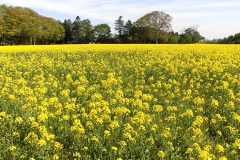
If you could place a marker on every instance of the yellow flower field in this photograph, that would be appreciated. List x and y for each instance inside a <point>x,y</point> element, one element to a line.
<point>120,102</point>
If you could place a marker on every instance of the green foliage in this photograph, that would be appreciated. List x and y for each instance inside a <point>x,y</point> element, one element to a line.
<point>153,27</point>
<point>156,24</point>
<point>67,24</point>
<point>236,38</point>
<point>119,26</point>
<point>233,39</point>
<point>186,38</point>
<point>80,31</point>
<point>76,29</point>
<point>86,31</point>
<point>102,33</point>
<point>191,35</point>
<point>173,38</point>
<point>24,26</point>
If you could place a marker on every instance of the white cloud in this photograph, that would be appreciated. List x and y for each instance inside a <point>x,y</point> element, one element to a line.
<point>220,4</point>
<point>185,12</point>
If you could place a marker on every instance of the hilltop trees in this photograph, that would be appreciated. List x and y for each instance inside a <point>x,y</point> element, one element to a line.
<point>24,26</point>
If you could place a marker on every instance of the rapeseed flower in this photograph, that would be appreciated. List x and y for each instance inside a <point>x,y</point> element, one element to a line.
<point>161,154</point>
<point>119,101</point>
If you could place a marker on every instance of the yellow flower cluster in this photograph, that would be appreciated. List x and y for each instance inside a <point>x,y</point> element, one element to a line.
<point>120,102</point>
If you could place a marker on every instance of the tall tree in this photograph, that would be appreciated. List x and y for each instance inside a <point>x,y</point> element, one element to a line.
<point>119,27</point>
<point>86,31</point>
<point>156,23</point>
<point>102,33</point>
<point>128,27</point>
<point>68,26</point>
<point>76,27</point>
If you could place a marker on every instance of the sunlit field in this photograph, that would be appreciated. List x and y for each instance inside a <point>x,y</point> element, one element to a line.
<point>120,102</point>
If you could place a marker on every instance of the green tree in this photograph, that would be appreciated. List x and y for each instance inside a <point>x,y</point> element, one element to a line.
<point>24,26</point>
<point>2,24</point>
<point>173,38</point>
<point>155,23</point>
<point>119,27</point>
<point>86,31</point>
<point>68,26</point>
<point>102,33</point>
<point>236,38</point>
<point>128,27</point>
<point>56,31</point>
<point>76,27</point>
<point>140,34</point>
<point>186,38</point>
<point>191,35</point>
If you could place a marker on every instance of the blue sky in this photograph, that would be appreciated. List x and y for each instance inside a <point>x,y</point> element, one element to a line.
<point>214,18</point>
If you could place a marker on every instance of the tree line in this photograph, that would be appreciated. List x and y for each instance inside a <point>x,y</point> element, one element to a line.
<point>154,27</point>
<point>24,26</point>
<point>232,39</point>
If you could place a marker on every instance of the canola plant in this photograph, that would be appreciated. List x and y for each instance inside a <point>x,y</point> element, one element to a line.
<point>120,102</point>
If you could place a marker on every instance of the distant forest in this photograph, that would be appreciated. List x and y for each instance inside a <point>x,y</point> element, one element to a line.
<point>24,26</point>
